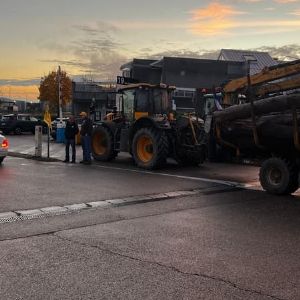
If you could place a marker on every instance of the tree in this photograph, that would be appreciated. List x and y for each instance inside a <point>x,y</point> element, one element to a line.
<point>49,90</point>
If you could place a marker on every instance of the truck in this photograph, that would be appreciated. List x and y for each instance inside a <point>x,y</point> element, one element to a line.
<point>260,121</point>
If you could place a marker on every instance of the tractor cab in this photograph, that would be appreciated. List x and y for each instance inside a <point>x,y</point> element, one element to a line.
<point>145,100</point>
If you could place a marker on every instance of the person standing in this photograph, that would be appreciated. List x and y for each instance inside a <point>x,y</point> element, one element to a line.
<point>86,134</point>
<point>71,131</point>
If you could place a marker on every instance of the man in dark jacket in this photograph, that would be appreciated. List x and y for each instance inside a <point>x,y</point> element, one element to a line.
<point>70,133</point>
<point>86,134</point>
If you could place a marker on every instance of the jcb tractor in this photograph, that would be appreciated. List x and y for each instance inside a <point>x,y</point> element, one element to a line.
<point>145,127</point>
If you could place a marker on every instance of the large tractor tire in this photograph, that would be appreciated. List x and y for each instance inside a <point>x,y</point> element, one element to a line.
<point>103,144</point>
<point>150,148</point>
<point>279,176</point>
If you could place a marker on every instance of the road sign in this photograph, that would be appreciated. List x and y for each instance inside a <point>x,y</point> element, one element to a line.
<point>125,80</point>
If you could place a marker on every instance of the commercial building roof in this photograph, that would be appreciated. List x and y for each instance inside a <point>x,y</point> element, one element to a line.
<point>259,60</point>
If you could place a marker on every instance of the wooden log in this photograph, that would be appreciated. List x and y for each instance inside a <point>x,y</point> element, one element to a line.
<point>261,107</point>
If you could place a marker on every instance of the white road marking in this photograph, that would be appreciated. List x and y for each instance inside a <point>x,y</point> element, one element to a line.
<point>202,179</point>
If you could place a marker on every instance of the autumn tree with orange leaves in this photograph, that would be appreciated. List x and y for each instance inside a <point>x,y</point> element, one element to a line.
<point>49,90</point>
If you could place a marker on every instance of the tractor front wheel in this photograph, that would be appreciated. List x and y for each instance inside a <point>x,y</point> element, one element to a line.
<point>150,148</point>
<point>102,144</point>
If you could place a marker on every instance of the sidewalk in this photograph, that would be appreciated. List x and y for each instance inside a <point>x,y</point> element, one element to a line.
<point>25,144</point>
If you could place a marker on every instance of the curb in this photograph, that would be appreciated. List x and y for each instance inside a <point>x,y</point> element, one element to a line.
<point>29,214</point>
<point>32,157</point>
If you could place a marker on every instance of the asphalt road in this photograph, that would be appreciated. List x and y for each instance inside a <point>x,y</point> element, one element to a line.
<point>220,243</point>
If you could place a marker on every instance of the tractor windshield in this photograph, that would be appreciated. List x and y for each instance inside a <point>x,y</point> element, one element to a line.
<point>161,101</point>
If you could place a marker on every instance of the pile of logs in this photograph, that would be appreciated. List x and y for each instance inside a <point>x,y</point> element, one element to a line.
<point>273,121</point>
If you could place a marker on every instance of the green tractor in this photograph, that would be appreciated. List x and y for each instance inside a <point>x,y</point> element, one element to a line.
<point>145,127</point>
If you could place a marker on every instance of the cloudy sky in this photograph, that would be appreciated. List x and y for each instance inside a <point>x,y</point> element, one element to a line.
<point>94,37</point>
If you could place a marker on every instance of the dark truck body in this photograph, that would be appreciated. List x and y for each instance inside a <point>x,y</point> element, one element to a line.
<point>267,130</point>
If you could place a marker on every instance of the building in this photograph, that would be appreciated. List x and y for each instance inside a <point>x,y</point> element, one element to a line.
<point>187,74</point>
<point>103,95</point>
<point>7,105</point>
<point>258,60</point>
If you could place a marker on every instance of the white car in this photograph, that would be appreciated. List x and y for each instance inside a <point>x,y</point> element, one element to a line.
<point>3,147</point>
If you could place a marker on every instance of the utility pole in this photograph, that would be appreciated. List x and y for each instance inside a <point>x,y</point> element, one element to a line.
<point>59,94</point>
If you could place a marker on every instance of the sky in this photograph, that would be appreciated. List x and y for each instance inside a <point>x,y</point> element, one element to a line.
<point>93,38</point>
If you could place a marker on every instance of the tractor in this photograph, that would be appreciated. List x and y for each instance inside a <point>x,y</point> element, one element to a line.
<point>145,126</point>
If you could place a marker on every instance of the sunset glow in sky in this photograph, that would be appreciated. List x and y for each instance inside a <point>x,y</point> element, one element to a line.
<point>94,37</point>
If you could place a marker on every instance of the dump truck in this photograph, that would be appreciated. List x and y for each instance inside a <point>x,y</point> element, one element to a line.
<point>146,127</point>
<point>260,121</point>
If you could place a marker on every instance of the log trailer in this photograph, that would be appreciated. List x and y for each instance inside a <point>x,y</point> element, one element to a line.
<point>262,122</point>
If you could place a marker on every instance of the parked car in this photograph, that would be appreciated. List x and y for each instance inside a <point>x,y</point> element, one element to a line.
<point>18,123</point>
<point>3,148</point>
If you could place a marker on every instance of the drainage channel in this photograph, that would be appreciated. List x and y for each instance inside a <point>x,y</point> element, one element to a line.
<point>23,215</point>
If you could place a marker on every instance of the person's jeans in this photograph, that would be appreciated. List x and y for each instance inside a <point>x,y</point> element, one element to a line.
<point>70,142</point>
<point>86,147</point>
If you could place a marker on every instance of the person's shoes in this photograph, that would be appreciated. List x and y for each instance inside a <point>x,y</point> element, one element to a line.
<point>65,161</point>
<point>82,161</point>
<point>73,162</point>
<point>87,162</point>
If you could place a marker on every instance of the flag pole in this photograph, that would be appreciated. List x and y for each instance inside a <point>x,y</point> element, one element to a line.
<point>48,146</point>
<point>47,120</point>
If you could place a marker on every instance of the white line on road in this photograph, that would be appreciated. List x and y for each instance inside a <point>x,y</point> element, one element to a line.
<point>224,182</point>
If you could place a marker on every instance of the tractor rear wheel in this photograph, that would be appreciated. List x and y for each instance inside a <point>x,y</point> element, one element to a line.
<point>150,148</point>
<point>279,176</point>
<point>103,144</point>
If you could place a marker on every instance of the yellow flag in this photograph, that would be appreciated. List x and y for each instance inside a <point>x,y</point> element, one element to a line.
<point>47,118</point>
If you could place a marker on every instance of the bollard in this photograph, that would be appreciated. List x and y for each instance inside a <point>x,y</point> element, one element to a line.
<point>38,141</point>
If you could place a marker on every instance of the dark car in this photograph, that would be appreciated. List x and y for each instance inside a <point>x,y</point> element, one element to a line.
<point>18,123</point>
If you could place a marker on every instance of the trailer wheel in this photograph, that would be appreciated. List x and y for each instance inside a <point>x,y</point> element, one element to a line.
<point>102,144</point>
<point>149,148</point>
<point>279,176</point>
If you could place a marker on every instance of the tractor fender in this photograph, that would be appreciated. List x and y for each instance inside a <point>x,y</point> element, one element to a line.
<point>144,122</point>
<point>109,125</point>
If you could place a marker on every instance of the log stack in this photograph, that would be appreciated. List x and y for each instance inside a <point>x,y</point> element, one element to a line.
<point>273,121</point>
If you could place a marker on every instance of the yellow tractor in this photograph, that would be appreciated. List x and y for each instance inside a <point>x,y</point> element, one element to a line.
<point>145,127</point>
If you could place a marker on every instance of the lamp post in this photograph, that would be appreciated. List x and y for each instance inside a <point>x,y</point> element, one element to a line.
<point>59,94</point>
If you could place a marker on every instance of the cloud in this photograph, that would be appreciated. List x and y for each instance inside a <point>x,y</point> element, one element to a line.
<point>216,18</point>
<point>295,12</point>
<point>201,54</point>
<point>286,1</point>
<point>286,52</point>
<point>20,82</point>
<point>91,49</point>
<point>99,27</point>
<point>28,92</point>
